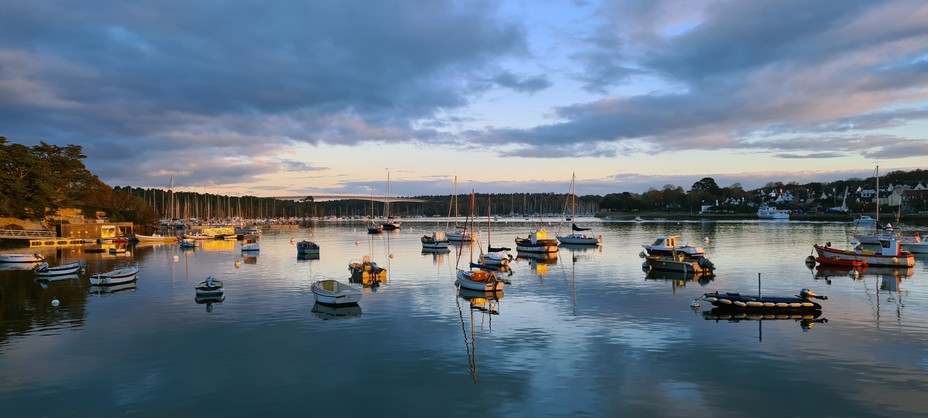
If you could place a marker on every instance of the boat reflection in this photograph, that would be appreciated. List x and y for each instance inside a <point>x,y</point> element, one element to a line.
<point>327,312</point>
<point>575,248</point>
<point>250,258</point>
<point>437,254</point>
<point>829,273</point>
<point>539,262</point>
<point>680,278</point>
<point>129,287</point>
<point>209,300</point>
<point>307,256</point>
<point>806,320</point>
<point>483,305</point>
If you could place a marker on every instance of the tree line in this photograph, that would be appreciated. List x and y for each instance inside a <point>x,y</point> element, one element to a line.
<point>36,181</point>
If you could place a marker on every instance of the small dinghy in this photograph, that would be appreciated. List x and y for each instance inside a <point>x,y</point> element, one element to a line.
<point>45,270</point>
<point>210,287</point>
<point>119,276</point>
<point>333,292</point>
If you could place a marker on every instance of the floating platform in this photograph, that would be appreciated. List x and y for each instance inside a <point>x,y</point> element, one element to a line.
<point>55,242</point>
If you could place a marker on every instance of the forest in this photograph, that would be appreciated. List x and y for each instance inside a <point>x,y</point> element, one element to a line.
<point>36,181</point>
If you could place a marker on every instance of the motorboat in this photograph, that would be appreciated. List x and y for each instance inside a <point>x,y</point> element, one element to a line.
<point>367,272</point>
<point>670,245</point>
<point>920,247</point>
<point>680,263</point>
<point>44,270</point>
<point>537,242</point>
<point>333,292</point>
<point>121,275</point>
<point>757,303</point>
<point>21,258</point>
<point>436,241</point>
<point>770,212</point>
<point>890,253</point>
<point>187,243</point>
<point>307,247</point>
<point>209,287</point>
<point>250,243</point>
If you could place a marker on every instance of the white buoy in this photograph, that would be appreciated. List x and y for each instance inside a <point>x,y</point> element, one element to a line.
<point>238,263</point>
<point>128,252</point>
<point>694,304</point>
<point>176,258</point>
<point>55,301</point>
<point>706,240</point>
<point>391,255</point>
<point>356,242</point>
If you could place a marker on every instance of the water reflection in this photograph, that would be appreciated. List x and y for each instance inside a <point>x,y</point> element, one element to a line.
<point>482,306</point>
<point>538,262</point>
<point>307,256</point>
<point>806,320</point>
<point>209,300</point>
<point>327,312</point>
<point>678,278</point>
<point>129,287</point>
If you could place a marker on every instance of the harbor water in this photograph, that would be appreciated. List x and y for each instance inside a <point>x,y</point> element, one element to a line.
<point>585,333</point>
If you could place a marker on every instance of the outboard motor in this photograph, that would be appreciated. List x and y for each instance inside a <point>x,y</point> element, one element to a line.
<point>706,264</point>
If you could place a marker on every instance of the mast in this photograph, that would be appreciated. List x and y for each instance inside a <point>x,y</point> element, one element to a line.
<point>877,196</point>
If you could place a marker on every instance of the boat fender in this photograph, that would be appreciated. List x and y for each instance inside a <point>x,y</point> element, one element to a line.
<point>807,304</point>
<point>810,260</point>
<point>782,305</point>
<point>739,303</point>
<point>725,301</point>
<point>710,299</point>
<point>895,260</point>
<point>769,304</point>
<point>755,304</point>
<point>795,305</point>
<point>642,254</point>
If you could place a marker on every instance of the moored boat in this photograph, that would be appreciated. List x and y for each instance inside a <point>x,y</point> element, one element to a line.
<point>680,263</point>
<point>156,237</point>
<point>670,245</point>
<point>307,247</point>
<point>367,272</point>
<point>758,303</point>
<point>333,292</point>
<point>483,278</point>
<point>770,212</point>
<point>122,275</point>
<point>889,253</point>
<point>210,287</point>
<point>537,242</point>
<point>436,241</point>
<point>250,243</point>
<point>21,258</point>
<point>44,270</point>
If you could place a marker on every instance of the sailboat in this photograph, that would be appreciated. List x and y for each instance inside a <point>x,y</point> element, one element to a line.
<point>579,236</point>
<point>391,223</point>
<point>495,256</point>
<point>883,232</point>
<point>459,233</point>
<point>372,227</point>
<point>478,276</point>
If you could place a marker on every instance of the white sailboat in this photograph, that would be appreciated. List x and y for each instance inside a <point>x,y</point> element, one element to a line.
<point>579,235</point>
<point>477,277</point>
<point>391,223</point>
<point>459,233</point>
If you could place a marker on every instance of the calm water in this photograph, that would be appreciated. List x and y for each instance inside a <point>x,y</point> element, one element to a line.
<point>587,334</point>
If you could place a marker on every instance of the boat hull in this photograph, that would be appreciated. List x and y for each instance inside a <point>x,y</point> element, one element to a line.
<point>62,270</point>
<point>580,239</point>
<point>334,293</point>
<point>479,280</point>
<point>120,276</point>
<point>21,258</point>
<point>685,265</point>
<point>869,257</point>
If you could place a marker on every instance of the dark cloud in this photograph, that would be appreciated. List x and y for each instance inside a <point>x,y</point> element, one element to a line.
<point>527,84</point>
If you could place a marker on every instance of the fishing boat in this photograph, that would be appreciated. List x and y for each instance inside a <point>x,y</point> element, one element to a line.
<point>802,302</point>
<point>333,292</point>
<point>44,270</point>
<point>890,253</point>
<point>307,247</point>
<point>21,258</point>
<point>209,287</point>
<point>537,242</point>
<point>669,245</point>
<point>918,247</point>
<point>579,235</point>
<point>122,275</point>
<point>436,241</point>
<point>477,276</point>
<point>367,272</point>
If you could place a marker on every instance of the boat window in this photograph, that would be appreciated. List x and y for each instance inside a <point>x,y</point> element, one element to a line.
<point>658,242</point>
<point>884,243</point>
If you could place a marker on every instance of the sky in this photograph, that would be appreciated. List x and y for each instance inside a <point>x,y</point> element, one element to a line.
<point>334,96</point>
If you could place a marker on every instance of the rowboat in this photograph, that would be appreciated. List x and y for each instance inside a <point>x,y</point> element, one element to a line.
<point>209,287</point>
<point>45,270</point>
<point>483,279</point>
<point>122,275</point>
<point>333,292</point>
<point>307,247</point>
<point>21,258</point>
